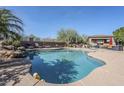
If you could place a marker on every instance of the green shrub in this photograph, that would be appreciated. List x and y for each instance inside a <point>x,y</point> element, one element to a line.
<point>6,43</point>
<point>16,43</point>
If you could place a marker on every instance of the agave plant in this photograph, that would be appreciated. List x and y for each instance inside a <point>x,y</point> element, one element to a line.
<point>10,25</point>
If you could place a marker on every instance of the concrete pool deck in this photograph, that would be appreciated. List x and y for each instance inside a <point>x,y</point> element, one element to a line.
<point>111,74</point>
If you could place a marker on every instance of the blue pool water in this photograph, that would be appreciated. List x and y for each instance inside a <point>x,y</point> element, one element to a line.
<point>62,66</point>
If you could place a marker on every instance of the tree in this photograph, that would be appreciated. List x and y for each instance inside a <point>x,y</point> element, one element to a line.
<point>34,37</point>
<point>26,38</point>
<point>69,36</point>
<point>72,36</point>
<point>62,35</point>
<point>119,35</point>
<point>10,25</point>
<point>84,39</point>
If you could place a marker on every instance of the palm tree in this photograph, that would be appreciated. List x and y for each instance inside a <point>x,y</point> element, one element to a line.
<point>10,25</point>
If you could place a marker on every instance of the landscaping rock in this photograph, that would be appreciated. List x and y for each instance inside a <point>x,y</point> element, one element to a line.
<point>10,47</point>
<point>21,48</point>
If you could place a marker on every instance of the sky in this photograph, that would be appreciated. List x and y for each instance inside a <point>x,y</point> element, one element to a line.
<point>46,21</point>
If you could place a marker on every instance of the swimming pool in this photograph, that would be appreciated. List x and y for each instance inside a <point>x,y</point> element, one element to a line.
<point>62,66</point>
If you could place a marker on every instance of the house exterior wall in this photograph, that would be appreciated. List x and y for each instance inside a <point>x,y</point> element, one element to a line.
<point>103,41</point>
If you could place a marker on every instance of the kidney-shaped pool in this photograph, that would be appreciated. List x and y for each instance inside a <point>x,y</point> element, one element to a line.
<point>62,66</point>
